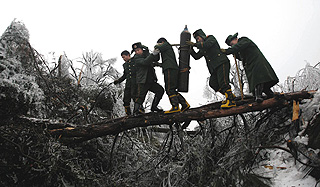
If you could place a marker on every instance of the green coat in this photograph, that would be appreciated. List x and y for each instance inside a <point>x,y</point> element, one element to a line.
<point>257,68</point>
<point>210,49</point>
<point>145,69</point>
<point>170,68</point>
<point>168,57</point>
<point>129,74</point>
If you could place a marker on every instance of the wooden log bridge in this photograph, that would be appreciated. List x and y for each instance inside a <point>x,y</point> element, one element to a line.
<point>115,126</point>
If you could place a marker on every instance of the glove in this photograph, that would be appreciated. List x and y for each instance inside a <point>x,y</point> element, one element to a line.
<point>190,43</point>
<point>157,45</point>
<point>155,52</point>
<point>116,82</point>
<point>223,50</point>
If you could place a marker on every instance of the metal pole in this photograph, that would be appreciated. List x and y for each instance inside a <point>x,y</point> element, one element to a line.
<point>241,90</point>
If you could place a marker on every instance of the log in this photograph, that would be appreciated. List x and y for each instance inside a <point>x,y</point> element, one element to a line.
<point>115,126</point>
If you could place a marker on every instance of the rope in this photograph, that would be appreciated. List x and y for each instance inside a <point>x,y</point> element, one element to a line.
<point>184,70</point>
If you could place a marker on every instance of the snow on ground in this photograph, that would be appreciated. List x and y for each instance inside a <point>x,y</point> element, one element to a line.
<point>281,166</point>
<point>283,171</point>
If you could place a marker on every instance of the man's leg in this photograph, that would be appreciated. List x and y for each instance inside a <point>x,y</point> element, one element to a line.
<point>267,90</point>
<point>258,93</point>
<point>127,100</point>
<point>224,84</point>
<point>142,90</point>
<point>171,86</point>
<point>158,90</point>
<point>171,89</point>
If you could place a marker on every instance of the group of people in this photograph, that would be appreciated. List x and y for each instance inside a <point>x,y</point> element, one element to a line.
<point>140,75</point>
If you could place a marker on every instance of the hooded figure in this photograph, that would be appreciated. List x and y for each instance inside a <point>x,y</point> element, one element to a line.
<point>260,74</point>
<point>218,65</point>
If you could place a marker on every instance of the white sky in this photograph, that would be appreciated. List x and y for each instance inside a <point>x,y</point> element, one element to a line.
<point>286,31</point>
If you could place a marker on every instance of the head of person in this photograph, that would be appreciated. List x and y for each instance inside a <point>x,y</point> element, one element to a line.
<point>232,39</point>
<point>162,40</point>
<point>125,55</point>
<point>199,35</point>
<point>137,48</point>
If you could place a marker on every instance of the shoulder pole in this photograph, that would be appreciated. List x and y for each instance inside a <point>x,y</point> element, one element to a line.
<point>240,83</point>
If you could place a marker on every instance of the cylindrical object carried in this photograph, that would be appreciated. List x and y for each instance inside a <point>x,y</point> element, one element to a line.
<point>184,61</point>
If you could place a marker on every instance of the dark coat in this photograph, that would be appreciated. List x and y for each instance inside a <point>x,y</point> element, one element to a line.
<point>257,68</point>
<point>129,74</point>
<point>168,57</point>
<point>145,69</point>
<point>210,49</point>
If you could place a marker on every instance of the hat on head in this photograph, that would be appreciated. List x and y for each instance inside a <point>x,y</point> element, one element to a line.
<point>136,46</point>
<point>200,33</point>
<point>162,39</point>
<point>230,38</point>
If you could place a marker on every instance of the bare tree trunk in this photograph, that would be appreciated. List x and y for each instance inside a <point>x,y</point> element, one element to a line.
<point>115,126</point>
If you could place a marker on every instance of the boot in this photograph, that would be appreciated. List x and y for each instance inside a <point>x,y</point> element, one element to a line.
<point>141,109</point>
<point>175,105</point>
<point>225,101</point>
<point>184,104</point>
<point>136,109</point>
<point>229,101</point>
<point>258,93</point>
<point>154,106</point>
<point>127,110</point>
<point>268,92</point>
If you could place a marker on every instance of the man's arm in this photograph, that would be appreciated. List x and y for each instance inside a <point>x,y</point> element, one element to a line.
<point>121,79</point>
<point>210,41</point>
<point>237,47</point>
<point>146,61</point>
<point>195,55</point>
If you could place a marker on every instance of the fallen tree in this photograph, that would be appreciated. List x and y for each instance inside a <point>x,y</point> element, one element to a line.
<point>115,126</point>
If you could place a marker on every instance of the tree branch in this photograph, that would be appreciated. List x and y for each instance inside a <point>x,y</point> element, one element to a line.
<point>115,126</point>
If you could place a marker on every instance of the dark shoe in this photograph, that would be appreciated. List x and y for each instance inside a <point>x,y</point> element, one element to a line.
<point>137,109</point>
<point>184,104</point>
<point>156,109</point>
<point>258,93</point>
<point>175,105</point>
<point>127,110</point>
<point>268,92</point>
<point>141,109</point>
<point>154,105</point>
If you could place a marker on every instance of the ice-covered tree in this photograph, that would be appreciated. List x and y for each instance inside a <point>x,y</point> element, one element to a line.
<point>96,70</point>
<point>305,79</point>
<point>19,89</point>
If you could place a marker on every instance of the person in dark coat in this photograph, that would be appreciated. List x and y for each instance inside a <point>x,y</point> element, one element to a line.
<point>218,65</point>
<point>146,78</point>
<point>129,74</point>
<point>260,74</point>
<point>170,71</point>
